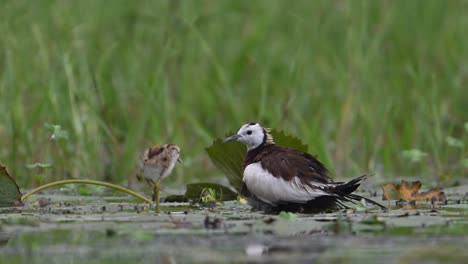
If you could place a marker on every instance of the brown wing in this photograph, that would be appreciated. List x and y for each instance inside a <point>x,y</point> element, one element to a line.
<point>288,163</point>
<point>154,151</point>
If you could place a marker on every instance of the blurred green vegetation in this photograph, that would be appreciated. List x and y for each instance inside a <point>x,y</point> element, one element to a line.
<point>359,81</point>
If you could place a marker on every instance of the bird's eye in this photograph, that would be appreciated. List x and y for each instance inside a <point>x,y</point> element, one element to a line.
<point>249,132</point>
<point>164,159</point>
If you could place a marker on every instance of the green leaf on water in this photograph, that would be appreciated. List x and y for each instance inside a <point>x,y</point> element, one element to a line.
<point>283,139</point>
<point>229,157</point>
<point>10,194</point>
<point>287,215</point>
<point>196,190</point>
<point>176,198</point>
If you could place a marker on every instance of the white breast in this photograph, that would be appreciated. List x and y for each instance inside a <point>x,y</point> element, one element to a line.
<point>271,190</point>
<point>170,168</point>
<point>152,172</point>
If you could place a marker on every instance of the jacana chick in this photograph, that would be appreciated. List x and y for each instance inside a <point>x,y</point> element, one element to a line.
<point>157,164</point>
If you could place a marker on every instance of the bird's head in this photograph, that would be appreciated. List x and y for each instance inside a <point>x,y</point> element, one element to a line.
<point>174,151</point>
<point>252,135</point>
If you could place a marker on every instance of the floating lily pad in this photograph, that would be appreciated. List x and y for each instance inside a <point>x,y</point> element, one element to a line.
<point>284,139</point>
<point>10,194</point>
<point>228,158</point>
<point>175,198</point>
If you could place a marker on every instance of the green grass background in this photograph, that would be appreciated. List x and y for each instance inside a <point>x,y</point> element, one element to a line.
<point>358,81</point>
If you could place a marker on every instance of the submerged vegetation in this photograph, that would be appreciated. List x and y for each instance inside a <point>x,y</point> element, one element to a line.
<point>369,86</point>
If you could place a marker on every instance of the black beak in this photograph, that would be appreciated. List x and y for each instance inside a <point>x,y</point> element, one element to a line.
<point>231,138</point>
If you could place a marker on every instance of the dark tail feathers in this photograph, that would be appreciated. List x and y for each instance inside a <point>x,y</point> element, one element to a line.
<point>345,189</point>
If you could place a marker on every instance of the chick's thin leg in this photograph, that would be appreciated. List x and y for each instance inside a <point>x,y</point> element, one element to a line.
<point>156,189</point>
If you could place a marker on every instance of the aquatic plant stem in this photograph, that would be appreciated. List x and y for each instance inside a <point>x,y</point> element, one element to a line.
<point>92,182</point>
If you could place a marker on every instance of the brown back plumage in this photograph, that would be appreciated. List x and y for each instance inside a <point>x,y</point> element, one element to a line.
<point>287,163</point>
<point>152,152</point>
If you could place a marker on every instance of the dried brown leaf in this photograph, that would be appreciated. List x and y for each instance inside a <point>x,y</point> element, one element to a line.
<point>410,192</point>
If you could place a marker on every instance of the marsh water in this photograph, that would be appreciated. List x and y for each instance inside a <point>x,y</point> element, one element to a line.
<point>57,228</point>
